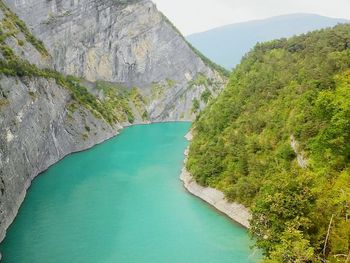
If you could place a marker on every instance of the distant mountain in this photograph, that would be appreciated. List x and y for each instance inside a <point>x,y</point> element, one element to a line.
<point>226,45</point>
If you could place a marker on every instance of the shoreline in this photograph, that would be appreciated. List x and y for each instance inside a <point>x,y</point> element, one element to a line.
<point>214,197</point>
<point>22,195</point>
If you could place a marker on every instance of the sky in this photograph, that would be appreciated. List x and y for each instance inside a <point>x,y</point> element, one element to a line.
<point>192,16</point>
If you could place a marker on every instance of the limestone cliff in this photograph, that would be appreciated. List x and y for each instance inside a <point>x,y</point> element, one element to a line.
<point>130,66</point>
<point>40,121</point>
<point>125,42</point>
<point>36,130</point>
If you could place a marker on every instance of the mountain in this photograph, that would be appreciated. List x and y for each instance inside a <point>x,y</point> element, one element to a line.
<point>126,42</point>
<point>277,140</point>
<point>73,73</point>
<point>226,45</point>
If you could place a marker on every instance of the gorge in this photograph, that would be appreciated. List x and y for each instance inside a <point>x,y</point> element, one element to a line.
<point>269,139</point>
<point>79,73</point>
<point>122,201</point>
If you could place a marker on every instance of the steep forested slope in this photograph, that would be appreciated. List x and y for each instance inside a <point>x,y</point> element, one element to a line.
<point>278,140</point>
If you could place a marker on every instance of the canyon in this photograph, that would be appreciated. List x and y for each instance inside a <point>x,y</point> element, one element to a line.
<point>74,73</point>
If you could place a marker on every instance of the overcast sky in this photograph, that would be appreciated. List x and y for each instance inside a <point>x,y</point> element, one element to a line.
<point>192,16</point>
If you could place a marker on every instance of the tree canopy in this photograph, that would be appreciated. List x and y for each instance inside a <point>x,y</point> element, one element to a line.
<point>287,102</point>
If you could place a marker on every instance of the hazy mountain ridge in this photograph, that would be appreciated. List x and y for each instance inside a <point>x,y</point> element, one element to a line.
<point>226,45</point>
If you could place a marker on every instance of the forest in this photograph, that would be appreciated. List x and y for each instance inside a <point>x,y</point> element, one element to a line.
<point>277,140</point>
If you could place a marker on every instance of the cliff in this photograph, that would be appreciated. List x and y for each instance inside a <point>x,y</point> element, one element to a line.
<point>36,130</point>
<point>125,42</point>
<point>130,65</point>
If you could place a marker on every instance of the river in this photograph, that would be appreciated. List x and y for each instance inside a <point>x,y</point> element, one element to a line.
<point>122,201</point>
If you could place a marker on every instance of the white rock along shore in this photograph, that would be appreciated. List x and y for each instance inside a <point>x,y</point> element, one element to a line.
<point>214,197</point>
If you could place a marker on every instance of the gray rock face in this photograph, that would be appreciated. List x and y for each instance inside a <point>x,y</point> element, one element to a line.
<point>126,42</point>
<point>37,130</point>
<point>123,42</point>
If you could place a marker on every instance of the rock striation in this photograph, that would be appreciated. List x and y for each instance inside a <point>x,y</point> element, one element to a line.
<point>35,132</point>
<point>126,42</point>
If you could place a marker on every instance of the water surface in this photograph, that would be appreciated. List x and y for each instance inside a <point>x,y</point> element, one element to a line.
<point>122,201</point>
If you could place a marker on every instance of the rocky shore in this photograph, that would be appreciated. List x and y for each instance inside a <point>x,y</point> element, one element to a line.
<point>214,197</point>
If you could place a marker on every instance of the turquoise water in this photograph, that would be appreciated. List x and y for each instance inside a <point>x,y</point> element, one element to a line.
<point>122,201</point>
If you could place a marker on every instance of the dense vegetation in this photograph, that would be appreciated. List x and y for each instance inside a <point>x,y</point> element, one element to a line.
<point>118,100</point>
<point>286,92</point>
